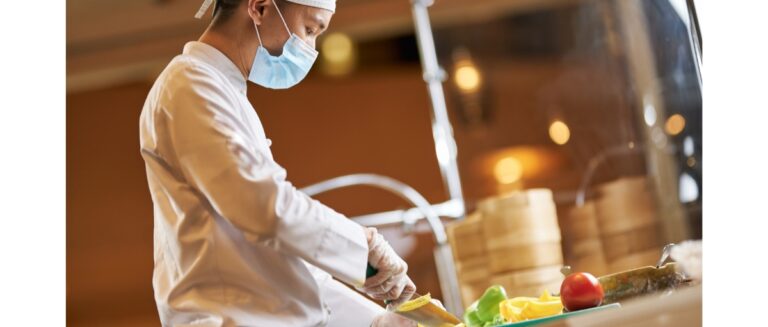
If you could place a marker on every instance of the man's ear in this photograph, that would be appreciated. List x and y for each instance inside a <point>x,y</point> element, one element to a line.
<point>256,9</point>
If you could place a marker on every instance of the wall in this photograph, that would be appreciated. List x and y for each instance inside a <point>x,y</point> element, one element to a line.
<point>374,122</point>
<point>376,125</point>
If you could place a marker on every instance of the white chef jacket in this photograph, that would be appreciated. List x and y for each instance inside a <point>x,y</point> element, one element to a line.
<point>235,244</point>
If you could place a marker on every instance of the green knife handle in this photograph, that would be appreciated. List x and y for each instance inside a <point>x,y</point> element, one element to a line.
<point>370,272</point>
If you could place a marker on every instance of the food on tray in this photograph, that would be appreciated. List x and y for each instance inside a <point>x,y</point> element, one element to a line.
<point>415,303</point>
<point>485,311</point>
<point>641,281</point>
<point>494,308</point>
<point>524,308</point>
<point>581,291</point>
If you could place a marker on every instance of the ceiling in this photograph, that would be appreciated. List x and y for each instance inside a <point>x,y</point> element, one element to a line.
<point>111,42</point>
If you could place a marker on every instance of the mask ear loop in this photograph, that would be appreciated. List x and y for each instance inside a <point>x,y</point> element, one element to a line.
<point>274,2</point>
<point>258,36</point>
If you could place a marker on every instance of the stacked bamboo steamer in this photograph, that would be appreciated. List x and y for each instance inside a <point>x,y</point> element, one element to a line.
<point>470,257</point>
<point>512,240</point>
<point>629,226</point>
<point>583,247</point>
<point>522,240</point>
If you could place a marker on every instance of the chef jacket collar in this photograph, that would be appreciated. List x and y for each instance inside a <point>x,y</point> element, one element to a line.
<point>218,60</point>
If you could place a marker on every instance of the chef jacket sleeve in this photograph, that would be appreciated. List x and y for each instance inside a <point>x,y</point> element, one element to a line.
<point>217,157</point>
<point>348,308</point>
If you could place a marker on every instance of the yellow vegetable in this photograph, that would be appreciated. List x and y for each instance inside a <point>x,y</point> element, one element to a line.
<point>524,308</point>
<point>414,304</point>
<point>545,296</point>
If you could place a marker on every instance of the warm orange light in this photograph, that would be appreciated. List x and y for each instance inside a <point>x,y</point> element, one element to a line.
<point>508,170</point>
<point>675,124</point>
<point>559,132</point>
<point>338,52</point>
<point>467,77</point>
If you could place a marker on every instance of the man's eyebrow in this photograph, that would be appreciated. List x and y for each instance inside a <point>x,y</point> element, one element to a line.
<point>319,21</point>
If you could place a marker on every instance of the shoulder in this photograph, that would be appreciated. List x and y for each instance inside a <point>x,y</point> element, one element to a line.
<point>185,71</point>
<point>187,81</point>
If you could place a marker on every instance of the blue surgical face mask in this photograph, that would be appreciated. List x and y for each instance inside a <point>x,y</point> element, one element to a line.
<point>286,70</point>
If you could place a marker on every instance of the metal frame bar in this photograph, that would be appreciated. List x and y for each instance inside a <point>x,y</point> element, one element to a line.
<point>446,152</point>
<point>442,131</point>
<point>446,268</point>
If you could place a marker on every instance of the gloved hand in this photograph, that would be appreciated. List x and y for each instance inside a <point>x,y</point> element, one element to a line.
<point>391,282</point>
<point>391,319</point>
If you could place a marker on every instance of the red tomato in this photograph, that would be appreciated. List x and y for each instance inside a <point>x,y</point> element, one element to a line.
<point>581,291</point>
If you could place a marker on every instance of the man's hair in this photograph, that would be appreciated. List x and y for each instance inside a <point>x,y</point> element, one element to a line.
<point>224,9</point>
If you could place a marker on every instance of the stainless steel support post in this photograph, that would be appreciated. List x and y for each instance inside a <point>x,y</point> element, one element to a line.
<point>445,144</point>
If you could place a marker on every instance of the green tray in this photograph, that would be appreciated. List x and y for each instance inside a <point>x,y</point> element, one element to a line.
<point>534,322</point>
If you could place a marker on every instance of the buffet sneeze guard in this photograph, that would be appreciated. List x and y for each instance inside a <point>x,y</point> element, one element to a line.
<point>445,149</point>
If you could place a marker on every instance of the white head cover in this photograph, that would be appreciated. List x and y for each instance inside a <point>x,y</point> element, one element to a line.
<point>323,4</point>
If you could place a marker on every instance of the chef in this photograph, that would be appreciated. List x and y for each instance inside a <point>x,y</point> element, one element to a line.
<point>235,244</point>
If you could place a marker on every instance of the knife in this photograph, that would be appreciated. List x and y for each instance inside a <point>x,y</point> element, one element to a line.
<point>428,314</point>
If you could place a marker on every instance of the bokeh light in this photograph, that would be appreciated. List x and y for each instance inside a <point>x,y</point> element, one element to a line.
<point>338,53</point>
<point>508,170</point>
<point>675,124</point>
<point>559,132</point>
<point>467,77</point>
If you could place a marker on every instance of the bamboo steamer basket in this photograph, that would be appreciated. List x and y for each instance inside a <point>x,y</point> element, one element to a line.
<point>645,258</point>
<point>524,257</point>
<point>515,200</point>
<point>529,277</point>
<point>586,247</point>
<point>468,247</point>
<point>466,238</point>
<point>583,247</point>
<point>520,238</point>
<point>473,270</point>
<point>624,205</point>
<point>622,185</point>
<point>521,231</point>
<point>618,214</point>
<point>526,225</point>
<point>470,292</point>
<point>594,264</point>
<point>619,245</point>
<point>628,222</point>
<point>587,255</point>
<point>530,282</point>
<point>518,212</point>
<point>580,222</point>
<point>535,290</point>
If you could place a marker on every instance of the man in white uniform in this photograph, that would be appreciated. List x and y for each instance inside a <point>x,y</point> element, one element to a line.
<point>235,243</point>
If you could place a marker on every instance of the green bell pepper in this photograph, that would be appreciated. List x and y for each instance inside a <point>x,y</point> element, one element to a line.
<point>498,320</point>
<point>470,316</point>
<point>485,311</point>
<point>488,304</point>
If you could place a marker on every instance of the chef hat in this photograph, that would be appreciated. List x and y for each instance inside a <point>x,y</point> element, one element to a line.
<point>323,4</point>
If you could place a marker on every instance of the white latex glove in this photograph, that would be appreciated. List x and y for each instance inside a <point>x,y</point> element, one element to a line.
<point>391,282</point>
<point>391,319</point>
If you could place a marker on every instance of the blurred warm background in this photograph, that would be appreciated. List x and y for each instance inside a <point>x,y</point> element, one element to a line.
<point>599,95</point>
